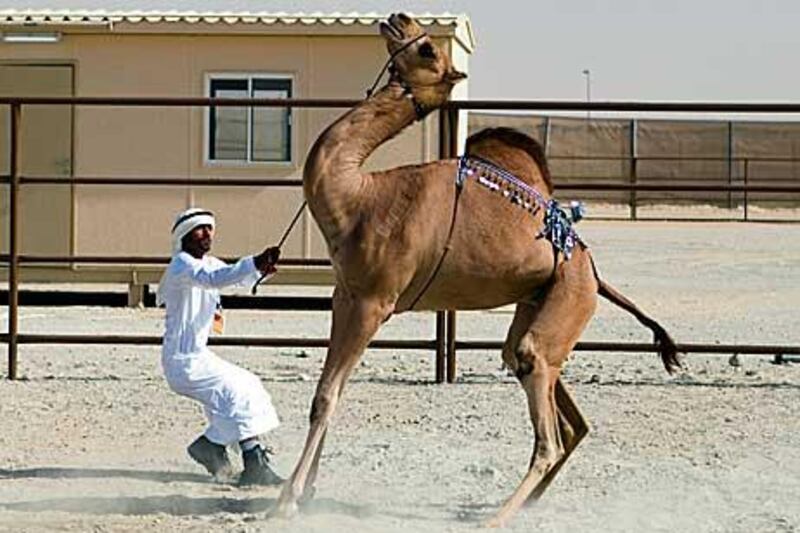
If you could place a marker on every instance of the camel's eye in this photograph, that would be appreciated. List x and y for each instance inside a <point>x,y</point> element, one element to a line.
<point>426,50</point>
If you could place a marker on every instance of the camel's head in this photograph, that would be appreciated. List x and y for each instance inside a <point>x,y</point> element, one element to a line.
<point>418,63</point>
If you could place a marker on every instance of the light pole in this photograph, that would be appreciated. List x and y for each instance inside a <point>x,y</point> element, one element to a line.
<point>588,74</point>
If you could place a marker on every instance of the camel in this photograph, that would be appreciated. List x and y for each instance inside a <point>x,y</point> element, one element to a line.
<point>411,238</point>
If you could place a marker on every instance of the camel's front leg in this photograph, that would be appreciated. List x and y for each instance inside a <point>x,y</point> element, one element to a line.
<point>355,321</point>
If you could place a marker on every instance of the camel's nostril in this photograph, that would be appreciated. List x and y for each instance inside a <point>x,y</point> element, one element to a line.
<point>426,51</point>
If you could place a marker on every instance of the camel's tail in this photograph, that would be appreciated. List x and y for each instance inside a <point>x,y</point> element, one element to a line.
<point>666,346</point>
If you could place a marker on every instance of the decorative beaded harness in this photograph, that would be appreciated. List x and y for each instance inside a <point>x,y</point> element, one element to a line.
<point>558,224</point>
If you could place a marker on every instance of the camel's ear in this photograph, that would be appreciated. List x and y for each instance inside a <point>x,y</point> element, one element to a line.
<point>454,76</point>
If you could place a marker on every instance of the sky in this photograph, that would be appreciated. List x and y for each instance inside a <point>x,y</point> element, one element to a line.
<point>700,50</point>
<point>693,50</point>
<point>635,50</point>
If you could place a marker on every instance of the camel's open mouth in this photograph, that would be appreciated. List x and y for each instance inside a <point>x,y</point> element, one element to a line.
<point>390,31</point>
<point>395,28</point>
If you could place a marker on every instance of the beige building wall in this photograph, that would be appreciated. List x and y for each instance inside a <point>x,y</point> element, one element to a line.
<point>47,146</point>
<point>170,142</point>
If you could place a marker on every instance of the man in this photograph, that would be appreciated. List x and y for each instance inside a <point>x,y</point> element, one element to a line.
<point>235,402</point>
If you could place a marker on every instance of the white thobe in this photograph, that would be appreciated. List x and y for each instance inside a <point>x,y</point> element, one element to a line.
<point>234,400</point>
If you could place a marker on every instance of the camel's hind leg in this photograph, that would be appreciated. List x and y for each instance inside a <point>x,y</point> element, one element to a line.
<point>556,323</point>
<point>572,426</point>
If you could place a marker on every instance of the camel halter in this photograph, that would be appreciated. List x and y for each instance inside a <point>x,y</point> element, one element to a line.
<point>418,109</point>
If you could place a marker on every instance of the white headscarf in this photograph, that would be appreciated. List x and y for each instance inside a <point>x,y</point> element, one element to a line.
<point>186,222</point>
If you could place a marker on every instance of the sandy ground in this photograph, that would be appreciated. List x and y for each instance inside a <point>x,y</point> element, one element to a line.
<point>756,212</point>
<point>93,440</point>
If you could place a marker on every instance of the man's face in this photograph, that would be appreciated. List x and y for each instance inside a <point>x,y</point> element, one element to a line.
<point>198,241</point>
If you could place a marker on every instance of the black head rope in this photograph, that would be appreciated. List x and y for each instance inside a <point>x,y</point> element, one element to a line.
<point>280,243</point>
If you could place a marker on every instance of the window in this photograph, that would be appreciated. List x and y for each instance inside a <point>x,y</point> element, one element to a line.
<point>250,134</point>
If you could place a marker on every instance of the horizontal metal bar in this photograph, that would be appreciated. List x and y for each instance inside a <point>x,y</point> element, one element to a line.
<point>157,101</point>
<point>750,349</point>
<point>34,298</point>
<point>599,157</point>
<point>629,157</point>
<point>294,342</point>
<point>194,182</point>
<point>143,260</point>
<point>272,342</point>
<point>575,105</point>
<point>583,186</point>
<point>519,105</point>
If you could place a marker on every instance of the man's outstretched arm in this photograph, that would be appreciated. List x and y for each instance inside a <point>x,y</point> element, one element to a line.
<point>223,276</point>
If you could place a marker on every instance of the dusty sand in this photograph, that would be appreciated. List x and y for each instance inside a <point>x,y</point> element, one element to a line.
<point>93,440</point>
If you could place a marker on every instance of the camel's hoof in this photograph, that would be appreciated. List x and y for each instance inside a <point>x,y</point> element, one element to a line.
<point>494,522</point>
<point>284,510</point>
<point>307,496</point>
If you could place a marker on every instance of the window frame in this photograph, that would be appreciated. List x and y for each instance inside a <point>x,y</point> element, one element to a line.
<point>249,76</point>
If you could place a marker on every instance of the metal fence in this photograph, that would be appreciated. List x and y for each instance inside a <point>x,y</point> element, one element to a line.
<point>445,342</point>
<point>641,151</point>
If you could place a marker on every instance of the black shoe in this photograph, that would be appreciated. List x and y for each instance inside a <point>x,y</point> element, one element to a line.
<point>257,470</point>
<point>214,457</point>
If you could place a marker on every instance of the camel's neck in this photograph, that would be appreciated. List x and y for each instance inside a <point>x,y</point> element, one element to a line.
<point>332,178</point>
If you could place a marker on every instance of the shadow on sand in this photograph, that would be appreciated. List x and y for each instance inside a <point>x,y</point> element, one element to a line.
<point>475,513</point>
<point>180,505</point>
<point>690,383</point>
<point>177,505</point>
<point>100,473</point>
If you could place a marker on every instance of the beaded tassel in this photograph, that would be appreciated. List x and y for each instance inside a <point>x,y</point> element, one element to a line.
<point>557,222</point>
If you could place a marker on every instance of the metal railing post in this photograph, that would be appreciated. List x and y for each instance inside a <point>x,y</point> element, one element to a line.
<point>13,241</point>
<point>451,346</point>
<point>452,151</point>
<point>746,177</point>
<point>633,177</point>
<point>441,329</point>
<point>441,323</point>
<point>730,163</point>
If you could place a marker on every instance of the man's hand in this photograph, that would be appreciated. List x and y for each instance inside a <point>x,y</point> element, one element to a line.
<point>265,261</point>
